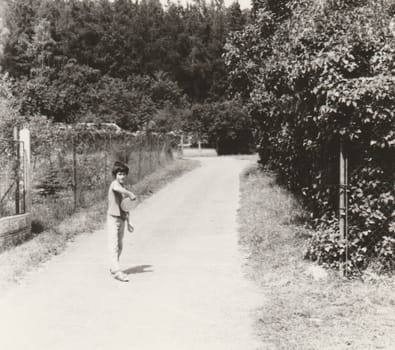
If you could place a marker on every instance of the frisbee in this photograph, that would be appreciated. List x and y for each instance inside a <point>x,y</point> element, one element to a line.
<point>128,205</point>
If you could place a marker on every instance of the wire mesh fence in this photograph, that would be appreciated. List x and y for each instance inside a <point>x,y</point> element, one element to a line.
<point>71,167</point>
<point>353,201</point>
<point>12,180</point>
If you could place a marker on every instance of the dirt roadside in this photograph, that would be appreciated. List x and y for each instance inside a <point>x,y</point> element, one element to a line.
<point>307,307</point>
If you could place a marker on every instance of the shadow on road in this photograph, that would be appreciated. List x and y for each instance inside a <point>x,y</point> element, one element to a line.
<point>138,269</point>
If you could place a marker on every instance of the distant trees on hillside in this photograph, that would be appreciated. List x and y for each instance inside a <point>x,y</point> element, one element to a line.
<point>121,60</point>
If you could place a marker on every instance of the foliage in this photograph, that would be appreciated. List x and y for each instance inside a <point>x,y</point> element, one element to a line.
<point>315,77</point>
<point>232,128</point>
<point>122,38</point>
<point>132,63</point>
<point>50,184</point>
<point>62,95</point>
<point>9,116</point>
<point>226,126</point>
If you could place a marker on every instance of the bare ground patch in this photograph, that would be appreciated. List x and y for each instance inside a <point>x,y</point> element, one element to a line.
<point>307,307</point>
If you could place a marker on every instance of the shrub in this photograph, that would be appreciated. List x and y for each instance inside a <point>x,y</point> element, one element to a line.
<point>329,77</point>
<point>226,125</point>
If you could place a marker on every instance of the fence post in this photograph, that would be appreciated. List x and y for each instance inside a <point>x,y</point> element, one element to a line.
<point>105,168</point>
<point>150,151</point>
<point>343,181</point>
<point>140,142</point>
<point>182,144</point>
<point>158,148</point>
<point>25,138</point>
<point>74,173</point>
<point>17,167</point>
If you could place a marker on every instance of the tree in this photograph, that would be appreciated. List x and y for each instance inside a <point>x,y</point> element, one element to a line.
<point>236,19</point>
<point>62,95</point>
<point>9,116</point>
<point>226,126</point>
<point>20,21</point>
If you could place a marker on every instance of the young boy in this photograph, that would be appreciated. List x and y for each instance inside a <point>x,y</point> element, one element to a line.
<point>116,218</point>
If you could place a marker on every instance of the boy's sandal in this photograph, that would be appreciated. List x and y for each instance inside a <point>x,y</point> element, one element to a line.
<point>120,276</point>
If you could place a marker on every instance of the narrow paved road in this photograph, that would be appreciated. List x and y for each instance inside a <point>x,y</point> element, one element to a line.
<point>187,288</point>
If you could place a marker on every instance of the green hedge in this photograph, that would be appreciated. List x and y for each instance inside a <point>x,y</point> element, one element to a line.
<point>328,75</point>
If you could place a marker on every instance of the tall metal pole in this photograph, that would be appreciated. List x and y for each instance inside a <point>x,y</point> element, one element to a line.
<point>343,222</point>
<point>342,192</point>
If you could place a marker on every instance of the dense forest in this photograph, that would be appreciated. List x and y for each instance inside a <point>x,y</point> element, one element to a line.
<point>135,63</point>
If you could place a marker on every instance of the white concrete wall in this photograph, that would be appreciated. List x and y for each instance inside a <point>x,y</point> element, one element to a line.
<point>14,229</point>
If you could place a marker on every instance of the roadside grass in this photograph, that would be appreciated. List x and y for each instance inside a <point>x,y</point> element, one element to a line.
<point>306,307</point>
<point>17,261</point>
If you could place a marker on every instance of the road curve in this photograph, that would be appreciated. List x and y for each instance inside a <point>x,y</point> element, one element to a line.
<point>187,290</point>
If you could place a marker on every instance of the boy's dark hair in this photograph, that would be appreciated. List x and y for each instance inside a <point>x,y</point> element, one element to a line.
<point>119,167</point>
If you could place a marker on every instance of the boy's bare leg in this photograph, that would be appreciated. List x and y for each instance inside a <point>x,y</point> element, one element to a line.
<point>129,224</point>
<point>115,232</point>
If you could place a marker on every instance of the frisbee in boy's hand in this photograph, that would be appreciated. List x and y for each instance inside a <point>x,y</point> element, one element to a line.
<point>130,227</point>
<point>127,204</point>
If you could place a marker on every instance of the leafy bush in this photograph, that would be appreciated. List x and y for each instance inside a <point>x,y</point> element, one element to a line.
<point>327,76</point>
<point>232,129</point>
<point>226,126</point>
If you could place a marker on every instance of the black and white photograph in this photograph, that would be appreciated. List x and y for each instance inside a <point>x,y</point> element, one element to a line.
<point>197,174</point>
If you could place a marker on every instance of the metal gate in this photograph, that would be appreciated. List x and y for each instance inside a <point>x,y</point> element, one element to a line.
<point>15,188</point>
<point>12,178</point>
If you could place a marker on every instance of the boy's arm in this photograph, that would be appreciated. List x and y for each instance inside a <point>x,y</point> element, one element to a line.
<point>120,189</point>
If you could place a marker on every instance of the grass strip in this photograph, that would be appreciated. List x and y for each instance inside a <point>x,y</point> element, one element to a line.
<point>17,261</point>
<point>306,306</point>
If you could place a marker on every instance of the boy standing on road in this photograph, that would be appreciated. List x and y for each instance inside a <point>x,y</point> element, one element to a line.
<point>116,218</point>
